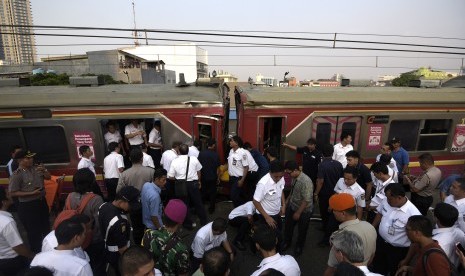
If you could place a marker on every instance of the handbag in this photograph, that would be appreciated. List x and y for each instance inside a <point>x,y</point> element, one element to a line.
<point>180,185</point>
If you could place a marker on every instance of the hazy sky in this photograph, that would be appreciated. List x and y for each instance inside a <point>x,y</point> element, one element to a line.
<point>430,18</point>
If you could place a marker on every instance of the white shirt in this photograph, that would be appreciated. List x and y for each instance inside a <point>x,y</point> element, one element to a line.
<point>205,240</point>
<point>340,153</point>
<point>356,191</point>
<point>283,263</point>
<point>237,160</point>
<point>147,160</point>
<point>269,193</point>
<point>9,236</point>
<point>253,167</point>
<point>379,191</point>
<point>367,272</point>
<point>246,209</point>
<point>460,206</point>
<point>111,165</point>
<point>394,221</point>
<point>167,157</point>
<point>447,238</point>
<point>179,165</point>
<point>86,163</point>
<point>113,137</point>
<point>136,140</point>
<point>154,137</point>
<point>392,165</point>
<point>193,151</point>
<point>50,242</point>
<point>62,263</point>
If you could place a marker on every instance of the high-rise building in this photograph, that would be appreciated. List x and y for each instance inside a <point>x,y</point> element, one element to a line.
<point>17,44</point>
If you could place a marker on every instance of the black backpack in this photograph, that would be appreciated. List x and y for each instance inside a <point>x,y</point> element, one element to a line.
<point>453,269</point>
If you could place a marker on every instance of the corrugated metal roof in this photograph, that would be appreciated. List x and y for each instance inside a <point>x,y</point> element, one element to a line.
<point>351,95</point>
<point>134,94</point>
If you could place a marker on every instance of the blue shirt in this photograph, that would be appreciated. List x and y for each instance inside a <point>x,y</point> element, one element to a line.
<point>263,166</point>
<point>446,183</point>
<point>401,157</point>
<point>151,204</point>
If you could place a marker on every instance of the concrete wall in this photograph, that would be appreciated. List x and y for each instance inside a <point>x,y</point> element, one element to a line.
<point>104,62</point>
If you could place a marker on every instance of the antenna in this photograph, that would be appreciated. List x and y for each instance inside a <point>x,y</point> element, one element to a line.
<point>136,41</point>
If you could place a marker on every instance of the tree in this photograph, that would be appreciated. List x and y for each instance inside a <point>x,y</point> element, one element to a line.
<point>49,79</point>
<point>404,79</point>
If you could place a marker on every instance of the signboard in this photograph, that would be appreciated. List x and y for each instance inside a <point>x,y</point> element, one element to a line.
<point>377,119</point>
<point>82,138</point>
<point>375,132</point>
<point>458,143</point>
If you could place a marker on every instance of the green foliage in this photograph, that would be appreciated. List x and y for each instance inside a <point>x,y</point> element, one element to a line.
<point>404,79</point>
<point>49,79</point>
<point>108,79</point>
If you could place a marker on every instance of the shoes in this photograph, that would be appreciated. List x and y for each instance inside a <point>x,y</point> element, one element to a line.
<point>297,251</point>
<point>285,246</point>
<point>239,245</point>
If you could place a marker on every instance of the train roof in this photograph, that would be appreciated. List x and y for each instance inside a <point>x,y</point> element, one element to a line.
<point>107,95</point>
<point>352,95</point>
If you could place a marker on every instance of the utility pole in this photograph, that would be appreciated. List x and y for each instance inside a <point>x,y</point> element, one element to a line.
<point>135,34</point>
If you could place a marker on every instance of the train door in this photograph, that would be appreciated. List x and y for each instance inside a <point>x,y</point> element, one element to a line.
<point>328,129</point>
<point>270,132</point>
<point>204,128</point>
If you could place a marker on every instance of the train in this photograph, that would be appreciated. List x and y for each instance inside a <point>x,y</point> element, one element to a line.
<point>55,121</point>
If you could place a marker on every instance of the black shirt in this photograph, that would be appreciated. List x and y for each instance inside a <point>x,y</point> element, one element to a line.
<point>330,171</point>
<point>210,161</point>
<point>119,233</point>
<point>364,175</point>
<point>310,162</point>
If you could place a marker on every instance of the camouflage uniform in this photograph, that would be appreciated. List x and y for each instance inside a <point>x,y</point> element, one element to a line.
<point>173,260</point>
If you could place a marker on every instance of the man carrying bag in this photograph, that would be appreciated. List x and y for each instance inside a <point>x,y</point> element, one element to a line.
<point>185,171</point>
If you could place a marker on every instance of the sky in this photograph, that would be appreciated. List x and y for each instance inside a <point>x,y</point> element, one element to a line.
<point>309,19</point>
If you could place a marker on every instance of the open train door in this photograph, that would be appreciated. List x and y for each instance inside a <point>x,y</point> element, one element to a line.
<point>271,132</point>
<point>206,127</point>
<point>328,129</point>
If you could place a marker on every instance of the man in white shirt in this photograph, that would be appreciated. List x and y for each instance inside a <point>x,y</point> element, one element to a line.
<point>85,162</point>
<point>392,218</point>
<point>113,135</point>
<point>343,147</point>
<point>155,143</point>
<point>238,168</point>
<point>242,218</point>
<point>113,166</point>
<point>62,260</point>
<point>14,255</point>
<point>147,160</point>
<point>446,233</point>
<point>177,171</point>
<point>349,247</point>
<point>194,148</point>
<point>457,199</point>
<point>138,261</point>
<point>348,185</point>
<point>252,175</point>
<point>135,134</point>
<point>382,179</point>
<point>209,236</point>
<point>265,242</point>
<point>166,158</point>
<point>387,149</point>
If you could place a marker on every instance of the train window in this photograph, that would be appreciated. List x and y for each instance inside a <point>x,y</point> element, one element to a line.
<point>433,135</point>
<point>205,131</point>
<point>407,131</point>
<point>10,137</point>
<point>323,134</point>
<point>49,143</point>
<point>349,127</point>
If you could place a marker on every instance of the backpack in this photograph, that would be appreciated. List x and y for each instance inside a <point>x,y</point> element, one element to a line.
<point>453,269</point>
<point>68,212</point>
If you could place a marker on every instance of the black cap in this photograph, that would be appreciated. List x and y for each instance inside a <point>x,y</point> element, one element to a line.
<point>131,195</point>
<point>395,140</point>
<point>24,154</point>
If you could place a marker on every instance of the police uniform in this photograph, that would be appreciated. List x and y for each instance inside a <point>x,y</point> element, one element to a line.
<point>355,190</point>
<point>392,244</point>
<point>116,232</point>
<point>32,210</point>
<point>237,160</point>
<point>252,175</point>
<point>459,204</point>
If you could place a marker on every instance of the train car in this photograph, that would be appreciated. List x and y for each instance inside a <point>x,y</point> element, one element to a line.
<point>55,121</point>
<point>426,120</point>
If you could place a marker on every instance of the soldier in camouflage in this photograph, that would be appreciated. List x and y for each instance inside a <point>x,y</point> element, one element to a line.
<point>171,255</point>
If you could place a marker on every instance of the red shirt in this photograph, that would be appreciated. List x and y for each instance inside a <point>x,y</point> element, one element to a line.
<point>436,263</point>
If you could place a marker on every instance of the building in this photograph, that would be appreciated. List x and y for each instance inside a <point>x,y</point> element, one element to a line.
<point>227,77</point>
<point>326,83</point>
<point>261,80</point>
<point>17,44</point>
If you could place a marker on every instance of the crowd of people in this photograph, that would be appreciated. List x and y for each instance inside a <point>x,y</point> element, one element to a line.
<point>369,223</point>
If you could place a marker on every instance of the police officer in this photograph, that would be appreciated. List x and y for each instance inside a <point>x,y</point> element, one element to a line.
<point>115,226</point>
<point>27,183</point>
